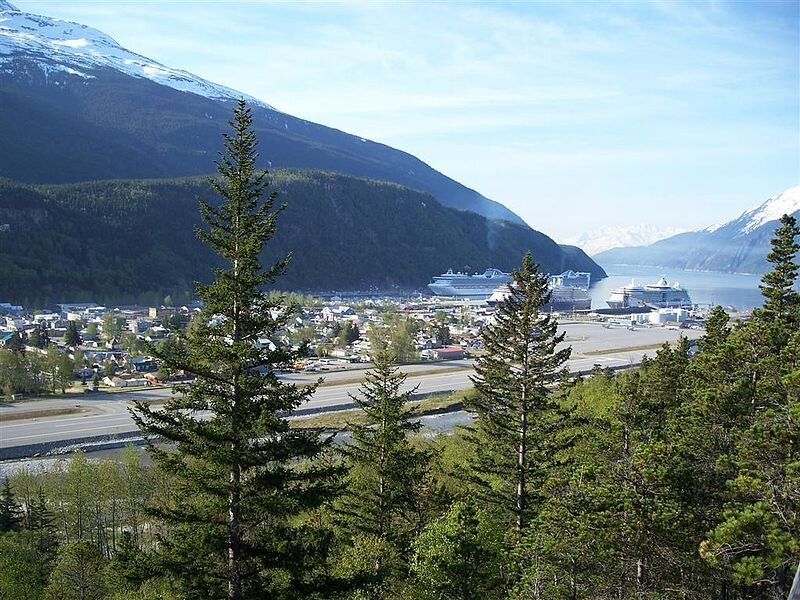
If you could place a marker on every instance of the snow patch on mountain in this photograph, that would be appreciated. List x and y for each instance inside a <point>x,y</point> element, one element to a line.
<point>607,237</point>
<point>79,43</point>
<point>785,203</point>
<point>58,45</point>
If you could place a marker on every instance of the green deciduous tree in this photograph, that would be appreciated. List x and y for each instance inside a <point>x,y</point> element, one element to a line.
<point>241,474</point>
<point>456,556</point>
<point>113,326</point>
<point>23,570</point>
<point>64,371</point>
<point>78,573</point>
<point>21,372</point>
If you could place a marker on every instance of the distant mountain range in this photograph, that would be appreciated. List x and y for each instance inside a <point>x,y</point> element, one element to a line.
<point>620,236</point>
<point>133,240</point>
<point>738,246</point>
<point>75,106</point>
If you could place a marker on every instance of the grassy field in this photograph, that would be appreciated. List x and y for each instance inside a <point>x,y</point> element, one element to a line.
<point>604,351</point>
<point>342,419</point>
<point>37,414</point>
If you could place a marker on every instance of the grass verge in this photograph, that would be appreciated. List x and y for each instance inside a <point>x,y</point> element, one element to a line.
<point>343,419</point>
<point>37,414</point>
<point>411,375</point>
<point>604,351</point>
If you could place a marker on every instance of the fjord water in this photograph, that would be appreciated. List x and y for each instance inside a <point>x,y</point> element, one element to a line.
<point>705,287</point>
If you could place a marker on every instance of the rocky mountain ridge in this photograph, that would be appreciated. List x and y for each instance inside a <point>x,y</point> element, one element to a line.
<point>737,246</point>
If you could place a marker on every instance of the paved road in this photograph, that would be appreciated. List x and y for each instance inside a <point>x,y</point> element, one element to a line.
<point>108,413</point>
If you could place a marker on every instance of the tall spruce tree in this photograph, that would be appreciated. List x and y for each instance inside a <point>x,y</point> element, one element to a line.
<point>379,508</point>
<point>72,337</point>
<point>10,511</point>
<point>521,360</point>
<point>241,475</point>
<point>781,299</point>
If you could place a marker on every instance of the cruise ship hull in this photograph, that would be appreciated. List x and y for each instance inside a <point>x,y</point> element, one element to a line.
<point>563,300</point>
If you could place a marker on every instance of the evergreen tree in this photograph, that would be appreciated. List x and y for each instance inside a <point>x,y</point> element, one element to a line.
<point>781,299</point>
<point>72,337</point>
<point>378,513</point>
<point>756,535</point>
<point>442,334</point>
<point>350,333</point>
<point>17,342</point>
<point>39,337</point>
<point>512,403</point>
<point>385,470</point>
<point>39,521</point>
<point>10,511</point>
<point>241,474</point>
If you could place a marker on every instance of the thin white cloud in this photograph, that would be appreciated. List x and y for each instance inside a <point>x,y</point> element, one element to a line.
<point>512,99</point>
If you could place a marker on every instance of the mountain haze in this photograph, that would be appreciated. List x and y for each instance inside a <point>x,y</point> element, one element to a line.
<point>605,238</point>
<point>738,246</point>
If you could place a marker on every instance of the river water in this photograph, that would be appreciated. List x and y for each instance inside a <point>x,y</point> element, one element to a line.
<point>708,288</point>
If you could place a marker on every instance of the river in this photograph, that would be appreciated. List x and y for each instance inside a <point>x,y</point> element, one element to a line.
<point>705,287</point>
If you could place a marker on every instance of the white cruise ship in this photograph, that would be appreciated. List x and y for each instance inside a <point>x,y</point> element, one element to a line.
<point>569,291</point>
<point>466,285</point>
<point>655,295</point>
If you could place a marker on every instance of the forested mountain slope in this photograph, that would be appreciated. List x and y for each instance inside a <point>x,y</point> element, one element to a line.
<point>133,240</point>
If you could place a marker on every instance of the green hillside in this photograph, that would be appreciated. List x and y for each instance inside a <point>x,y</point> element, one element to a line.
<point>133,240</point>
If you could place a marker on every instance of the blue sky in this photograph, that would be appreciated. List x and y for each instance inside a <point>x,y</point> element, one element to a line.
<point>574,115</point>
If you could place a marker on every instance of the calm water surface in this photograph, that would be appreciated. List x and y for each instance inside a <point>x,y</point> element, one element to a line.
<point>705,288</point>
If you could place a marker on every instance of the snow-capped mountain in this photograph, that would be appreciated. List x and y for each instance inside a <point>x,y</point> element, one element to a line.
<point>605,238</point>
<point>785,203</point>
<point>740,245</point>
<point>76,106</point>
<point>78,50</point>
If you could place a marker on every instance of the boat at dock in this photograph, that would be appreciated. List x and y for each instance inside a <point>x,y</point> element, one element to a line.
<point>569,291</point>
<point>655,295</point>
<point>466,285</point>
